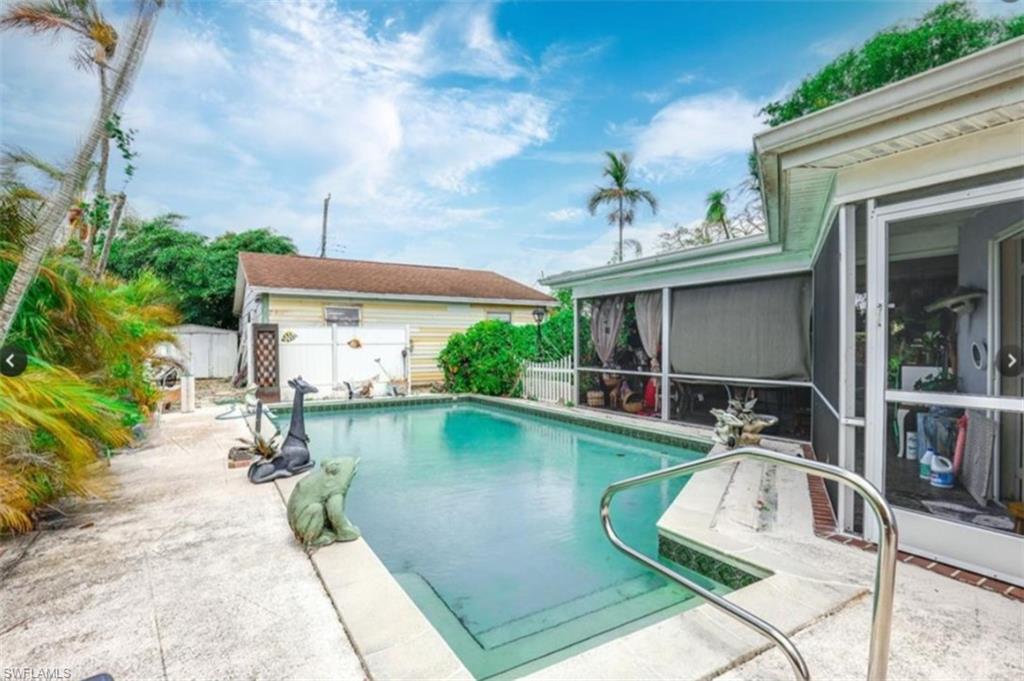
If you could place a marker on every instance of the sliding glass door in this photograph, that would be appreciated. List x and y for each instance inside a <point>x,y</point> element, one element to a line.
<point>943,419</point>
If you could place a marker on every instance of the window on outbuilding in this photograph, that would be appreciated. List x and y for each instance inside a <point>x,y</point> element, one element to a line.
<point>342,316</point>
<point>500,316</point>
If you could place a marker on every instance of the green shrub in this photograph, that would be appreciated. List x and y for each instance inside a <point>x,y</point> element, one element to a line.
<point>487,358</point>
<point>943,34</point>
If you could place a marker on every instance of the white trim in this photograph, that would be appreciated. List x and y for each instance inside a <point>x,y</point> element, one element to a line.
<point>960,173</point>
<point>930,530</point>
<point>847,353</point>
<point>1013,405</point>
<point>723,251</point>
<point>361,295</point>
<point>975,197</point>
<point>875,378</point>
<point>684,279</point>
<point>765,382</point>
<point>1005,550</point>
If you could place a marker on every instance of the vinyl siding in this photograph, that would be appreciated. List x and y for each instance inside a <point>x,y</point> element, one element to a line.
<point>430,324</point>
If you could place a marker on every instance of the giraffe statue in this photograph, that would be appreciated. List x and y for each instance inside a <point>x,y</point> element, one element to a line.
<point>294,455</point>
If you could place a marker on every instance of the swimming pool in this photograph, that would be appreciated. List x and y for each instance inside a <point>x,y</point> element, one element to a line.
<point>488,518</point>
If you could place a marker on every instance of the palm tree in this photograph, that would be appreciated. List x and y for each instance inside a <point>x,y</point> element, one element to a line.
<point>620,194</point>
<point>716,214</point>
<point>54,210</point>
<point>97,45</point>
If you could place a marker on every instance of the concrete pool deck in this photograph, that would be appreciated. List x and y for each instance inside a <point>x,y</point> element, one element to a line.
<point>188,571</point>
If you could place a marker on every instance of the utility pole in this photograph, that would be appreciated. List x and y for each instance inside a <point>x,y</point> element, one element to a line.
<point>323,230</point>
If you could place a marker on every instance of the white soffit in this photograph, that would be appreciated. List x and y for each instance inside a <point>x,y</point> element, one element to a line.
<point>934,134</point>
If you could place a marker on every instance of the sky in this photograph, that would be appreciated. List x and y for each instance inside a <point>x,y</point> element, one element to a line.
<point>460,134</point>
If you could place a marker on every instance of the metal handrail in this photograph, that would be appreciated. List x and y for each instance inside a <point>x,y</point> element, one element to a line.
<point>885,570</point>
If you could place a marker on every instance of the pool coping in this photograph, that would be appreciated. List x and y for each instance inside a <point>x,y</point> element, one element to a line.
<point>395,640</point>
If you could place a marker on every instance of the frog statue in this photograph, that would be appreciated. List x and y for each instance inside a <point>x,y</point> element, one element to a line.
<point>316,507</point>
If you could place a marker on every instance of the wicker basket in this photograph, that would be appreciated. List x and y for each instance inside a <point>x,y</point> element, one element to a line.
<point>595,398</point>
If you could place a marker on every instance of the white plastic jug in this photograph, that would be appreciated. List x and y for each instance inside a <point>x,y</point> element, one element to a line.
<point>924,465</point>
<point>942,472</point>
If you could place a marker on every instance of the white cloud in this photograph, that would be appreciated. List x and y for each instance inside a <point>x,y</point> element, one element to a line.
<point>362,106</point>
<point>566,214</point>
<point>697,129</point>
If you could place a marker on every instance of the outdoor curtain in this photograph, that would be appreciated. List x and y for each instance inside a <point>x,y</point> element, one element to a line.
<point>752,329</point>
<point>648,322</point>
<point>605,323</point>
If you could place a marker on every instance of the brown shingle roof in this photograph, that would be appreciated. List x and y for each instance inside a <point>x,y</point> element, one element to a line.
<point>362,276</point>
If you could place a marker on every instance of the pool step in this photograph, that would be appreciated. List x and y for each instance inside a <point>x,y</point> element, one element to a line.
<point>645,592</point>
<point>565,626</point>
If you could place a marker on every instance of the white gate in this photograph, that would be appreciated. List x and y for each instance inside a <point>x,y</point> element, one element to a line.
<point>549,381</point>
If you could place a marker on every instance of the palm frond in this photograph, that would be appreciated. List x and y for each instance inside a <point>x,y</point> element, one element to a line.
<point>602,196</point>
<point>20,158</point>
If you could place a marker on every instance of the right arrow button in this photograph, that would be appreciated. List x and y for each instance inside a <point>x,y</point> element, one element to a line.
<point>1010,361</point>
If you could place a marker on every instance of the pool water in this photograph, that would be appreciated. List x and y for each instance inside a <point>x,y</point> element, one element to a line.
<point>489,519</point>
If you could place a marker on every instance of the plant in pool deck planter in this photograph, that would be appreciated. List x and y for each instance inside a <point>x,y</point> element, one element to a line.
<point>739,424</point>
<point>260,447</point>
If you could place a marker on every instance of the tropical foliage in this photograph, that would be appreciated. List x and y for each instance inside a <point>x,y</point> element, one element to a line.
<point>90,339</point>
<point>90,342</point>
<point>200,271</point>
<point>943,34</point>
<point>622,197</point>
<point>487,358</point>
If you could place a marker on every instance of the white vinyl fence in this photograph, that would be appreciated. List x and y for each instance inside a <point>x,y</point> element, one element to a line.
<point>205,351</point>
<point>328,356</point>
<point>549,381</point>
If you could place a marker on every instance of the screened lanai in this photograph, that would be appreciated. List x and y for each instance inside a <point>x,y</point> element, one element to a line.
<point>676,353</point>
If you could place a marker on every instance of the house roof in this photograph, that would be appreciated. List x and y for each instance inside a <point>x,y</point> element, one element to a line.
<point>364,278</point>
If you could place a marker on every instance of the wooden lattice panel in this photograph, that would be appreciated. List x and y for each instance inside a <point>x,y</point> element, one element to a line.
<point>265,360</point>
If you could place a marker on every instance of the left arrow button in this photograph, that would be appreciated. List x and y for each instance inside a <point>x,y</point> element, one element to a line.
<point>13,360</point>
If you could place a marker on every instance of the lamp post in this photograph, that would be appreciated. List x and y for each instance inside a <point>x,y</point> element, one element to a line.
<point>538,316</point>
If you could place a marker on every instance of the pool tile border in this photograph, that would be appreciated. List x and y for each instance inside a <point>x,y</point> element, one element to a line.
<point>563,414</point>
<point>704,563</point>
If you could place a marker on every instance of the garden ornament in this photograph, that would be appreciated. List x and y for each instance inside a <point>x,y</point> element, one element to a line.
<point>294,455</point>
<point>316,507</point>
<point>739,425</point>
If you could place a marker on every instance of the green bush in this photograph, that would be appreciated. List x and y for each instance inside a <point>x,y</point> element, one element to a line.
<point>943,34</point>
<point>486,359</point>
